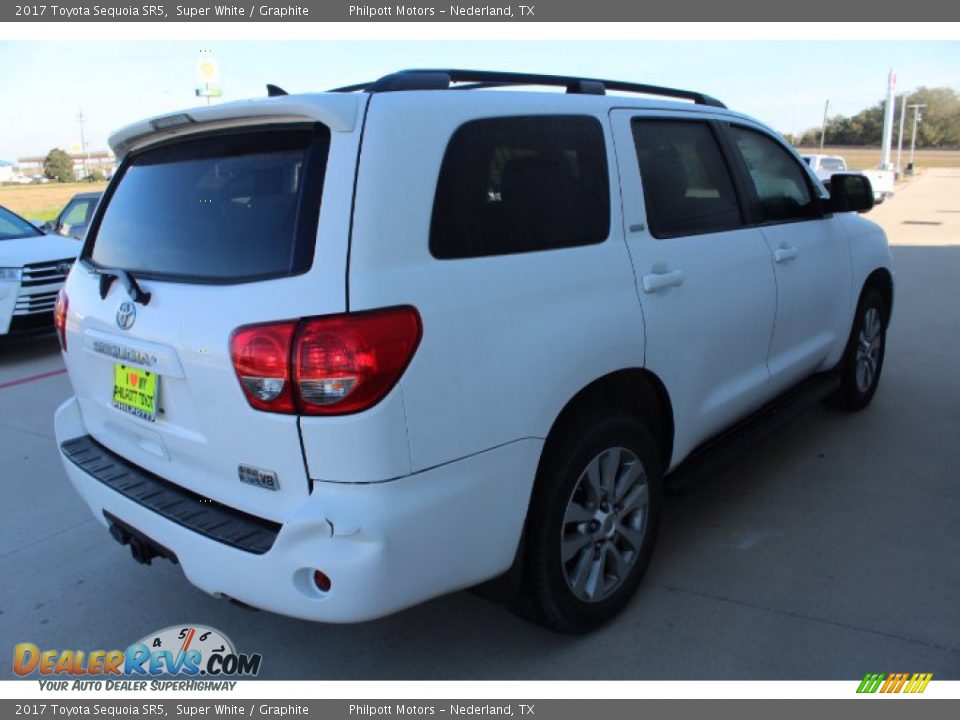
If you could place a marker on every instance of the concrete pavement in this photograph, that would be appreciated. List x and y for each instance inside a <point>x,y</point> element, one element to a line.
<point>828,552</point>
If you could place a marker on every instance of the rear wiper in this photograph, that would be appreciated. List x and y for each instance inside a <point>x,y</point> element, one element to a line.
<point>108,275</point>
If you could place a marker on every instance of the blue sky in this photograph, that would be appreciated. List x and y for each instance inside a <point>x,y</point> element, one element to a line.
<point>44,84</point>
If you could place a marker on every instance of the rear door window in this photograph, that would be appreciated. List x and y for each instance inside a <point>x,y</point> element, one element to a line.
<point>521,184</point>
<point>687,186</point>
<point>229,207</point>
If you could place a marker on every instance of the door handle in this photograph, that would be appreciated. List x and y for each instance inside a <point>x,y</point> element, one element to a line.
<point>658,280</point>
<point>785,254</point>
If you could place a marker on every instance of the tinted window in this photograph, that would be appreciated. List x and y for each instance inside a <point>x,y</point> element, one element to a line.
<point>13,226</point>
<point>510,185</point>
<point>221,208</point>
<point>686,185</point>
<point>76,213</point>
<point>778,179</point>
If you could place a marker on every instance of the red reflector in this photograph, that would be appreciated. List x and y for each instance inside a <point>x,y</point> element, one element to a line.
<point>348,363</point>
<point>261,358</point>
<point>321,580</point>
<point>60,317</point>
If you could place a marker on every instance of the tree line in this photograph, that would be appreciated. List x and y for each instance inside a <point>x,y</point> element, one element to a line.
<point>939,123</point>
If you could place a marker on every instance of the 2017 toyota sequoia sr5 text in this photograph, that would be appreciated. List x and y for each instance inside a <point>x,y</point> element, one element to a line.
<point>340,353</point>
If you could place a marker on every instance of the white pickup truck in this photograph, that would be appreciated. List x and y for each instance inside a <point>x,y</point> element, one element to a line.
<point>824,166</point>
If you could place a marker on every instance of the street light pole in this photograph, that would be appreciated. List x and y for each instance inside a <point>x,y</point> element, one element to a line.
<point>913,139</point>
<point>823,130</point>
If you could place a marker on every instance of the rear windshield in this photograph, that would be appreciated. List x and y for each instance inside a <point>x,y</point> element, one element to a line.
<point>832,164</point>
<point>220,208</point>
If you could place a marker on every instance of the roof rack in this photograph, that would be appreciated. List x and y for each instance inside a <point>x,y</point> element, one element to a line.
<point>479,79</point>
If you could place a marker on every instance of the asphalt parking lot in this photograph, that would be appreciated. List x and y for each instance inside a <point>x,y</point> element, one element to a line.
<point>829,551</point>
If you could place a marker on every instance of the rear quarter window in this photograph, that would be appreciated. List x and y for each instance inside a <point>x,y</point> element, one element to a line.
<point>521,184</point>
<point>228,207</point>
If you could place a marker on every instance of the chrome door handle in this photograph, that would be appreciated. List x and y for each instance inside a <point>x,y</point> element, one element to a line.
<point>784,254</point>
<point>659,280</point>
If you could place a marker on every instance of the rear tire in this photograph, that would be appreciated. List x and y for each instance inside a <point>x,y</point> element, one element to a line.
<point>593,521</point>
<point>863,360</point>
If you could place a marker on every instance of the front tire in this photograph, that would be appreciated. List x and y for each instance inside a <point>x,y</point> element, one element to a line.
<point>863,360</point>
<point>594,519</point>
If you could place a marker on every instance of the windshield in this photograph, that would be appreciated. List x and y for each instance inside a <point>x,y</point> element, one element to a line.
<point>229,207</point>
<point>13,226</point>
<point>832,164</point>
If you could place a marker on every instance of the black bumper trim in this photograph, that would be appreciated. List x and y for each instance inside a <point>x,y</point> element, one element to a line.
<point>193,511</point>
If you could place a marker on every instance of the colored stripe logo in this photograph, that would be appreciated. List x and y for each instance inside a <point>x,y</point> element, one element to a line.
<point>894,683</point>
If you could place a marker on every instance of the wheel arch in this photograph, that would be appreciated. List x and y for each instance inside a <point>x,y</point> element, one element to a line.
<point>882,281</point>
<point>636,390</point>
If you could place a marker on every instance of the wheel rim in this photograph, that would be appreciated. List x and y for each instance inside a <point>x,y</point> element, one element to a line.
<point>604,524</point>
<point>869,342</point>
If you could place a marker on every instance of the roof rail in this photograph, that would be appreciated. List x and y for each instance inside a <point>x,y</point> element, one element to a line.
<point>478,79</point>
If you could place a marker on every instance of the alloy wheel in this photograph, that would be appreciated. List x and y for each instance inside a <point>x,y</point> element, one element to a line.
<point>604,524</point>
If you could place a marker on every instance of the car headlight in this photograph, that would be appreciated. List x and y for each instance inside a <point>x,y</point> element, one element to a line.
<point>10,274</point>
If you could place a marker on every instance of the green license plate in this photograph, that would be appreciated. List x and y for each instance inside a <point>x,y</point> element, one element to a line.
<point>135,391</point>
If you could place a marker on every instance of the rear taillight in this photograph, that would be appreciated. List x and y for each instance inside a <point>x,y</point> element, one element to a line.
<point>325,366</point>
<point>60,317</point>
<point>261,357</point>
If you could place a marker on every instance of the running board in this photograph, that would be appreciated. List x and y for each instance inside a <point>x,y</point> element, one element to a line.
<point>737,439</point>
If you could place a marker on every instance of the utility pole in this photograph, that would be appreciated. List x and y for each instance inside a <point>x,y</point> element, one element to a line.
<point>823,130</point>
<point>83,144</point>
<point>913,139</point>
<point>903,113</point>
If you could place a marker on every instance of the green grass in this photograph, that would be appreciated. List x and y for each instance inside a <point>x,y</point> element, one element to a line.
<point>43,202</point>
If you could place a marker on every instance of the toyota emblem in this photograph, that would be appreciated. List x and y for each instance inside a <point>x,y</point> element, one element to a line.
<point>63,268</point>
<point>126,314</point>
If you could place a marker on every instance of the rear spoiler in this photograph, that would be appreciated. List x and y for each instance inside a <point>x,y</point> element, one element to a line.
<point>338,111</point>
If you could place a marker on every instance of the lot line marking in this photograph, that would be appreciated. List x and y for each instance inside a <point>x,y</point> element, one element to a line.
<point>31,378</point>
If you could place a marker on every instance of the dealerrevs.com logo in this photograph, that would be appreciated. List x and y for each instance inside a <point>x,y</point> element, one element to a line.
<point>191,651</point>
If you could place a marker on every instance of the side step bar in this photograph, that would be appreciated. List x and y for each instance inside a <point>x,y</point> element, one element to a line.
<point>769,419</point>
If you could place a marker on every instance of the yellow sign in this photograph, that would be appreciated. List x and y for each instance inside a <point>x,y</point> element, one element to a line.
<point>135,391</point>
<point>208,71</point>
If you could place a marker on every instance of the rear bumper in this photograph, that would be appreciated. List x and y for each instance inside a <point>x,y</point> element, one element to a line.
<point>384,546</point>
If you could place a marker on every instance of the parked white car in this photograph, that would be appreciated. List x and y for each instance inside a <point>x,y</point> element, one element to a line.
<point>825,166</point>
<point>33,267</point>
<point>512,318</point>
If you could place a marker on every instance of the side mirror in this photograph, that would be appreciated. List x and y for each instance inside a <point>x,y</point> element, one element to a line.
<point>850,192</point>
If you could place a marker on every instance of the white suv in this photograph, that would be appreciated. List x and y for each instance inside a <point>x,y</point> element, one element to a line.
<point>33,266</point>
<point>344,352</point>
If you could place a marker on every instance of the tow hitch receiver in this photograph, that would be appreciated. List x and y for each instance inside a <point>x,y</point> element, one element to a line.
<point>142,547</point>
